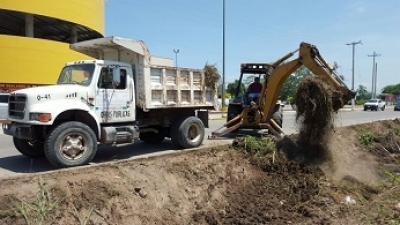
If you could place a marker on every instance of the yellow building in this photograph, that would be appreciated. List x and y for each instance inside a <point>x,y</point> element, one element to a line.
<point>35,37</point>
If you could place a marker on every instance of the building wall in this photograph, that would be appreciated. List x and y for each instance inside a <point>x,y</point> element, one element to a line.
<point>30,61</point>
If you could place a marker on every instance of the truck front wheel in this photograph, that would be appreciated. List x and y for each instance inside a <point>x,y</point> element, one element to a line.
<point>187,132</point>
<point>71,144</point>
<point>31,149</point>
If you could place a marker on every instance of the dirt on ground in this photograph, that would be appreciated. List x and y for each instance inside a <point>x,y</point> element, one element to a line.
<point>248,182</point>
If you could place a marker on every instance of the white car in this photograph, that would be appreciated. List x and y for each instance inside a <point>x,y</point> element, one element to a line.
<point>375,104</point>
<point>3,105</point>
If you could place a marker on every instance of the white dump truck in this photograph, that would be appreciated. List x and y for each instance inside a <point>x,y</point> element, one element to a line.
<point>124,95</point>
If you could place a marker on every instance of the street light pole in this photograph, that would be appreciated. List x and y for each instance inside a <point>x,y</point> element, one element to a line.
<point>223,54</point>
<point>176,57</point>
<point>374,72</point>
<point>352,71</point>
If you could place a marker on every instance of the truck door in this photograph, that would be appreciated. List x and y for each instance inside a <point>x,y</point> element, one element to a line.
<point>115,101</point>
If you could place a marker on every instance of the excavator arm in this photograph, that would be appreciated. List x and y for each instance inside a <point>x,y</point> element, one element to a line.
<point>278,72</point>
<point>309,57</point>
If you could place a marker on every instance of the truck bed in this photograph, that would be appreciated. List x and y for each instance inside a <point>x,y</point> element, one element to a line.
<point>158,84</point>
<point>175,87</point>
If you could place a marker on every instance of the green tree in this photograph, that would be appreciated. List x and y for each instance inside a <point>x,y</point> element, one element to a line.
<point>362,95</point>
<point>231,88</point>
<point>391,89</point>
<point>362,92</point>
<point>289,87</point>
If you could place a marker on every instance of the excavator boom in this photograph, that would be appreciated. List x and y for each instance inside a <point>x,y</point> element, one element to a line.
<point>310,57</point>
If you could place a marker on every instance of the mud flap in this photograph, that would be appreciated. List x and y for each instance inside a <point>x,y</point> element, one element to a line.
<point>203,116</point>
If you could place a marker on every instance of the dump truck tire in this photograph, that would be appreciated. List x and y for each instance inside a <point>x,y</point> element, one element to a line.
<point>29,148</point>
<point>187,132</point>
<point>71,144</point>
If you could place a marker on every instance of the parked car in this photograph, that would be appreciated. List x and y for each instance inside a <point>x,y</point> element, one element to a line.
<point>397,107</point>
<point>3,105</point>
<point>375,104</point>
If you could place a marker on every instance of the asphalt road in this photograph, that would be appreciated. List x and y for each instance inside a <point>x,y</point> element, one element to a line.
<point>12,163</point>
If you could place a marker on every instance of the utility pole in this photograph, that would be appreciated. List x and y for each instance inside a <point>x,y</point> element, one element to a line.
<point>223,54</point>
<point>176,57</point>
<point>374,67</point>
<point>352,70</point>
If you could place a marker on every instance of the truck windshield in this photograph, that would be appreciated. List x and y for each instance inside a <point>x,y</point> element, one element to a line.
<point>76,74</point>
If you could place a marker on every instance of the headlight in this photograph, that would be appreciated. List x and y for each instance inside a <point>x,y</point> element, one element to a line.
<point>42,117</point>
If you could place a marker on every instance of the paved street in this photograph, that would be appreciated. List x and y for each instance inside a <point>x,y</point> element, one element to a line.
<point>13,163</point>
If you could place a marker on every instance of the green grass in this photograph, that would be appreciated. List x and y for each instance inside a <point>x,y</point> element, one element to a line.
<point>36,211</point>
<point>366,138</point>
<point>257,146</point>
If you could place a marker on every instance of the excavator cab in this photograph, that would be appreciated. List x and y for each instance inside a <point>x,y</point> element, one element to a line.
<point>242,102</point>
<point>246,109</point>
<point>266,113</point>
<point>256,70</point>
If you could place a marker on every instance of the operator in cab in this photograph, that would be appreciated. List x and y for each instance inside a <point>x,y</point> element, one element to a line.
<point>254,90</point>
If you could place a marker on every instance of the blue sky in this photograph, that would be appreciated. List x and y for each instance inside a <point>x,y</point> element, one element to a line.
<point>263,31</point>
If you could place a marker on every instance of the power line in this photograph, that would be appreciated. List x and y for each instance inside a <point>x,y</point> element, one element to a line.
<point>374,73</point>
<point>352,70</point>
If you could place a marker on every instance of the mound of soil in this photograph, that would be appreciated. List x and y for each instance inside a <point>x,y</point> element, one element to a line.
<point>222,185</point>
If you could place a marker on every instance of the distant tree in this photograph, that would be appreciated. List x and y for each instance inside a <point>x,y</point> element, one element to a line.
<point>362,95</point>
<point>391,89</point>
<point>231,89</point>
<point>362,92</point>
<point>289,87</point>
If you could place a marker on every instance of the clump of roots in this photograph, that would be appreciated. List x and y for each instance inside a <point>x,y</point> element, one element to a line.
<point>316,102</point>
<point>212,75</point>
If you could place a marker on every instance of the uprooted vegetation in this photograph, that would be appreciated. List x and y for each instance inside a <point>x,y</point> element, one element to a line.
<point>212,76</point>
<point>316,105</point>
<point>251,182</point>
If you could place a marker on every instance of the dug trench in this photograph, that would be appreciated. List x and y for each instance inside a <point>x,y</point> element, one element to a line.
<point>252,181</point>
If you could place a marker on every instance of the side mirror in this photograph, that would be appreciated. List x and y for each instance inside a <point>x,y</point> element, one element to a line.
<point>116,76</point>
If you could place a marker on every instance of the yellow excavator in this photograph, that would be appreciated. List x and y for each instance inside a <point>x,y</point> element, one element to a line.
<point>266,111</point>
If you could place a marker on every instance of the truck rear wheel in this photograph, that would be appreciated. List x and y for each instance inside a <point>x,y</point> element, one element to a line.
<point>187,132</point>
<point>29,148</point>
<point>153,138</point>
<point>71,144</point>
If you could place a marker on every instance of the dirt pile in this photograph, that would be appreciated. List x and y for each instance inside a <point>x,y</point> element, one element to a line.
<point>255,184</point>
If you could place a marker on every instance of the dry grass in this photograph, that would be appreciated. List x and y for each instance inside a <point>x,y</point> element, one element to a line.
<point>212,76</point>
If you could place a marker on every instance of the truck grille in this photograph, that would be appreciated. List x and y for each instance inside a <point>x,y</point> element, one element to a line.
<point>16,106</point>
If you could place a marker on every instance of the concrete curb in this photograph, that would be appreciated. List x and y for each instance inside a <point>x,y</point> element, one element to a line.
<point>219,115</point>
